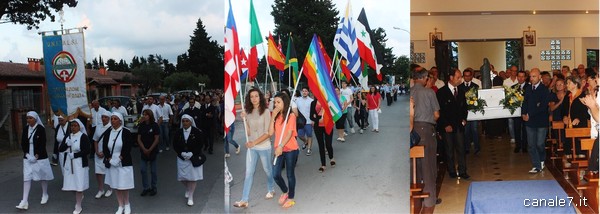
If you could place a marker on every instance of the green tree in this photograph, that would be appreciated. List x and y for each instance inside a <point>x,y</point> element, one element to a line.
<point>32,12</point>
<point>95,64</point>
<point>112,64</point>
<point>184,81</point>
<point>204,57</point>
<point>303,19</point>
<point>401,69</point>
<point>100,61</point>
<point>122,66</point>
<point>148,76</point>
<point>135,63</point>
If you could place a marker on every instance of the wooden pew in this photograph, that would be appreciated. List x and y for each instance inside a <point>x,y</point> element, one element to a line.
<point>416,188</point>
<point>590,190</point>
<point>572,171</point>
<point>557,143</point>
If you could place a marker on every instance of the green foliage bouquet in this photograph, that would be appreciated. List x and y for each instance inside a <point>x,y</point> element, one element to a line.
<point>474,103</point>
<point>513,98</point>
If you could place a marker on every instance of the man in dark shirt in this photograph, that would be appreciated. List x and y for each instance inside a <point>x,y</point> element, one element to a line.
<point>535,114</point>
<point>471,133</point>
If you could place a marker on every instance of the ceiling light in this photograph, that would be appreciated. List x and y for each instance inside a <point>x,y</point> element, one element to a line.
<point>586,12</point>
<point>429,14</point>
<point>534,12</point>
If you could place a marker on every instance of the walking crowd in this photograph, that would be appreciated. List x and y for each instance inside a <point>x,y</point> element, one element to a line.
<point>101,140</point>
<point>439,117</point>
<point>280,128</point>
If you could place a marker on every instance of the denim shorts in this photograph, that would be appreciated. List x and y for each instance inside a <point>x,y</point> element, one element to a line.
<point>306,131</point>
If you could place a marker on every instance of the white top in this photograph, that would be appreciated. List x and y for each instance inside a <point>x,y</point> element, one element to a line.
<point>303,104</point>
<point>508,82</point>
<point>97,116</point>
<point>165,111</point>
<point>121,110</point>
<point>186,133</point>
<point>439,83</point>
<point>347,93</point>
<point>155,110</point>
<point>98,133</point>
<point>30,133</point>
<point>60,133</point>
<point>257,126</point>
<point>116,139</point>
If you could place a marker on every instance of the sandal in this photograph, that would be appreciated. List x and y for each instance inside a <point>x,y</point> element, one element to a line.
<point>282,198</point>
<point>270,195</point>
<point>289,203</point>
<point>321,169</point>
<point>240,204</point>
<point>332,162</point>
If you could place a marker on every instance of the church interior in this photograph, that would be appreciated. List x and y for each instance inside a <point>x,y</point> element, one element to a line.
<point>528,34</point>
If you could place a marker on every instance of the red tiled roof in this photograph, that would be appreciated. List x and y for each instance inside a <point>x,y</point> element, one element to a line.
<point>20,70</point>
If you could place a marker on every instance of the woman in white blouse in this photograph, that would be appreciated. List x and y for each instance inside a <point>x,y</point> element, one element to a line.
<point>188,143</point>
<point>36,166</point>
<point>259,144</point>
<point>76,174</point>
<point>117,142</point>
<point>99,168</point>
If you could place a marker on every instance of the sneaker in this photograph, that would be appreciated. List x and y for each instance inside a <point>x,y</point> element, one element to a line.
<point>543,167</point>
<point>308,152</point>
<point>270,195</point>
<point>120,210</point>
<point>227,155</point>
<point>153,191</point>
<point>160,151</point>
<point>167,148</point>
<point>127,209</point>
<point>352,130</point>
<point>345,134</point>
<point>342,139</point>
<point>512,140</point>
<point>23,205</point>
<point>339,139</point>
<point>237,150</point>
<point>99,194</point>
<point>190,202</point>
<point>360,131</point>
<point>534,170</point>
<point>304,146</point>
<point>108,193</point>
<point>44,199</point>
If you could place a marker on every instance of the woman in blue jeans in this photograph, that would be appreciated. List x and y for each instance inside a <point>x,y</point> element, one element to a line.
<point>259,143</point>
<point>228,140</point>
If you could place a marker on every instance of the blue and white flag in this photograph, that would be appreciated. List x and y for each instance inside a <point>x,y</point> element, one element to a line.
<point>346,43</point>
<point>65,72</point>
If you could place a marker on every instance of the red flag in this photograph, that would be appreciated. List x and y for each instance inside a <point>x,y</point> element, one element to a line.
<point>345,69</point>
<point>275,57</point>
<point>325,56</point>
<point>232,81</point>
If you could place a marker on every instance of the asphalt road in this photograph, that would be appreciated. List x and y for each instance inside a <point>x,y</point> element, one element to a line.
<point>208,197</point>
<point>371,174</point>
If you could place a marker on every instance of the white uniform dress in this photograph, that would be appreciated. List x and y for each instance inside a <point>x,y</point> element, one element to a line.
<point>60,135</point>
<point>118,177</point>
<point>75,177</point>
<point>185,170</point>
<point>40,170</point>
<point>99,167</point>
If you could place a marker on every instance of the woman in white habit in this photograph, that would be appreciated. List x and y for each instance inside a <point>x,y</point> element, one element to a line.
<point>76,173</point>
<point>187,143</point>
<point>117,142</point>
<point>36,166</point>
<point>99,168</point>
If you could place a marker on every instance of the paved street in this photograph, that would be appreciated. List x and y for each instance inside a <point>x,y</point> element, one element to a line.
<point>208,197</point>
<point>371,174</point>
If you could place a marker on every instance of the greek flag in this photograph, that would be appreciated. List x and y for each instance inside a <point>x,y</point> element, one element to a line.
<point>346,43</point>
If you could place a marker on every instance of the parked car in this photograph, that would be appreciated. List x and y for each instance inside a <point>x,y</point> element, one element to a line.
<point>127,102</point>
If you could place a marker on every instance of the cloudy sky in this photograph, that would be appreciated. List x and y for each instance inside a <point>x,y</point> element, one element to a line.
<point>387,14</point>
<point>122,29</point>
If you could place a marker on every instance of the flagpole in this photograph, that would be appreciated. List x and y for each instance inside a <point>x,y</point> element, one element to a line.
<point>269,68</point>
<point>338,64</point>
<point>286,116</point>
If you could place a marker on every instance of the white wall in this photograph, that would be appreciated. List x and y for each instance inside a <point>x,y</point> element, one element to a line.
<point>471,54</point>
<point>504,5</point>
<point>579,31</point>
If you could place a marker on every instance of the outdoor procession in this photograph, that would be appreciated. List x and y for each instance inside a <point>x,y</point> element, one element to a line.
<point>321,122</point>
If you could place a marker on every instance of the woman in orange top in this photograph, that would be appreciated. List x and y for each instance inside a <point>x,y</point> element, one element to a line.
<point>286,148</point>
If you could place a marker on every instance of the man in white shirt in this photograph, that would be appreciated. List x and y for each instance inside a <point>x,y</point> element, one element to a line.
<point>434,72</point>
<point>347,92</point>
<point>305,133</point>
<point>117,107</point>
<point>512,79</point>
<point>164,123</point>
<point>96,120</point>
<point>150,105</point>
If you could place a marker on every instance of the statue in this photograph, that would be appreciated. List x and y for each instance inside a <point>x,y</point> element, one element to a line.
<point>486,80</point>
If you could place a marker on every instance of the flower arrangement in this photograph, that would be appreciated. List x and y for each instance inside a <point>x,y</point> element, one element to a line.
<point>137,121</point>
<point>513,98</point>
<point>474,103</point>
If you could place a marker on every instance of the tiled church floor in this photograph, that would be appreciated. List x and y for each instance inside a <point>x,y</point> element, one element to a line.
<point>495,162</point>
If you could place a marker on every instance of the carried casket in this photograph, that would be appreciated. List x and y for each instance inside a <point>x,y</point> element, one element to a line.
<point>494,109</point>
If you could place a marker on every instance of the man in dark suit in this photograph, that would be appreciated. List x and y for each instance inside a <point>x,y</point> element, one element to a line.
<point>453,118</point>
<point>471,134</point>
<point>206,122</point>
<point>192,111</point>
<point>534,112</point>
<point>519,127</point>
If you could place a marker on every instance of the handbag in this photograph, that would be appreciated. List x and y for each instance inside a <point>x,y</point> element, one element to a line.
<point>300,121</point>
<point>414,138</point>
